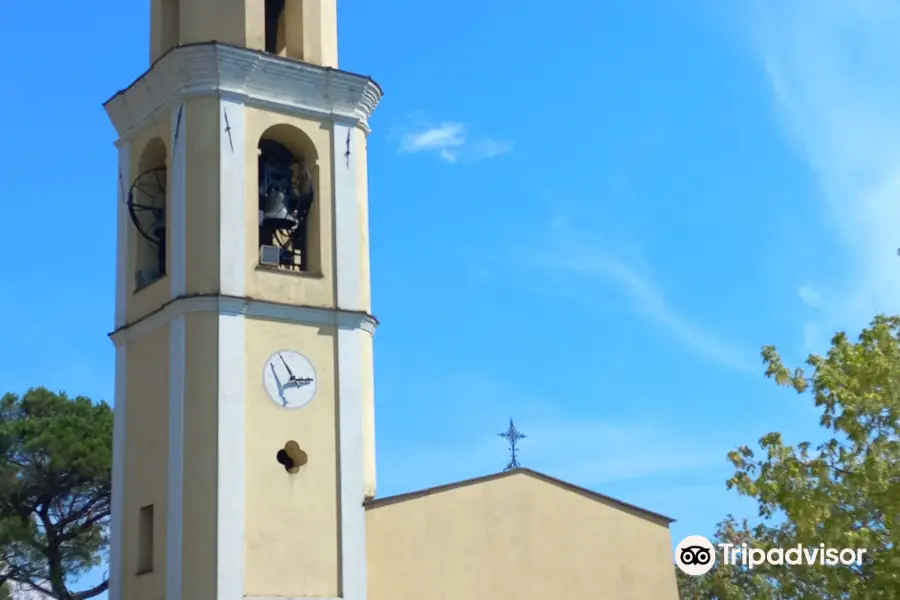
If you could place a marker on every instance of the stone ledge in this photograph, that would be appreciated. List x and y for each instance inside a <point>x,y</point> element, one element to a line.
<point>256,78</point>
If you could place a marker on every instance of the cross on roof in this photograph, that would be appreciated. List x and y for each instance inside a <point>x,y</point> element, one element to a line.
<point>512,435</point>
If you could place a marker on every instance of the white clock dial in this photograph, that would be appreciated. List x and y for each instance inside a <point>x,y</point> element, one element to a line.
<point>289,379</point>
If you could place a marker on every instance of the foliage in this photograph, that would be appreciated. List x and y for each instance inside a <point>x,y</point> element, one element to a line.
<point>844,493</point>
<point>54,490</point>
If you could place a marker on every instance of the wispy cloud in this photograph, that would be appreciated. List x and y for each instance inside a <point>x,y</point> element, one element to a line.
<point>583,254</point>
<point>573,446</point>
<point>451,141</point>
<point>810,296</point>
<point>833,68</point>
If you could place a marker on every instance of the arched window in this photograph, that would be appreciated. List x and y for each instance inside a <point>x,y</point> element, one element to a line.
<point>147,200</point>
<point>288,214</point>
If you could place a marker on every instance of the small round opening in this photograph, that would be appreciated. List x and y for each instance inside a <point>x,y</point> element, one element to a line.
<point>291,457</point>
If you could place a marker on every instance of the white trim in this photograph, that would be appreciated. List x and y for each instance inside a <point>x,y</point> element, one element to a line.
<point>352,470</point>
<point>174,516</point>
<point>231,498</point>
<point>232,261</point>
<point>232,362</point>
<point>123,224</point>
<point>346,220</point>
<point>252,309</point>
<point>176,205</point>
<point>350,387</point>
<point>118,476</point>
<point>263,80</point>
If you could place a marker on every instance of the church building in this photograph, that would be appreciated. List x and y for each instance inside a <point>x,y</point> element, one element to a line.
<point>244,445</point>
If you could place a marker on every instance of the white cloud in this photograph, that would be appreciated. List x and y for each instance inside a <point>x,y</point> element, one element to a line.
<point>452,142</point>
<point>810,296</point>
<point>582,254</point>
<point>833,67</point>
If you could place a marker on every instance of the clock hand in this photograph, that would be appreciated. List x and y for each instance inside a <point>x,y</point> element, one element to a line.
<point>284,362</point>
<point>293,380</point>
<point>279,384</point>
<point>297,382</point>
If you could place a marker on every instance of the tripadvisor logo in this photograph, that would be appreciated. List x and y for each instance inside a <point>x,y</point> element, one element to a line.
<point>796,555</point>
<point>696,555</point>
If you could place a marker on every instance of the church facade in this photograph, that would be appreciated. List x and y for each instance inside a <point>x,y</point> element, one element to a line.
<point>244,444</point>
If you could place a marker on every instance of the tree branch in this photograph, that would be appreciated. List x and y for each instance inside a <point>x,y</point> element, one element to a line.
<point>94,591</point>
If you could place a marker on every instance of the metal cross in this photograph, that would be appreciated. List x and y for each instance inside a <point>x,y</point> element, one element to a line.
<point>512,435</point>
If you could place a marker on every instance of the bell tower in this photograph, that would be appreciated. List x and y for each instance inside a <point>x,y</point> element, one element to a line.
<point>244,410</point>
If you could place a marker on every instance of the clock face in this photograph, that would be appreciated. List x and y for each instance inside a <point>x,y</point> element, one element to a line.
<point>289,379</point>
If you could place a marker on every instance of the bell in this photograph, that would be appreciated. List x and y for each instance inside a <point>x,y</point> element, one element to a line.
<point>275,210</point>
<point>157,228</point>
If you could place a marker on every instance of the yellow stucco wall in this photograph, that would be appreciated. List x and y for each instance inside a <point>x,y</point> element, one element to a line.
<point>515,536</point>
<point>201,448</point>
<point>146,456</point>
<point>201,185</point>
<point>304,563</point>
<point>310,26</point>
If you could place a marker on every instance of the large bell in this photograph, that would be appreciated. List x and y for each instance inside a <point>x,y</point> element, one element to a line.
<point>275,202</point>
<point>157,229</point>
<point>275,209</point>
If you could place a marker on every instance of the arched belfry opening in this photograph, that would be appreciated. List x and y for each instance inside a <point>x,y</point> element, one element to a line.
<point>288,215</point>
<point>275,26</point>
<point>147,200</point>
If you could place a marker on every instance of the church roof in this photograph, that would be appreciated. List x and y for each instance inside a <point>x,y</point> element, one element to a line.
<point>590,494</point>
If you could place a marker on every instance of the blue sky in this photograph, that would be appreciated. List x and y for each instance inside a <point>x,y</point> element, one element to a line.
<point>588,219</point>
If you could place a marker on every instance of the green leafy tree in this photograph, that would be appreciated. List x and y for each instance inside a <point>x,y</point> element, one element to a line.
<point>730,582</point>
<point>54,491</point>
<point>843,493</point>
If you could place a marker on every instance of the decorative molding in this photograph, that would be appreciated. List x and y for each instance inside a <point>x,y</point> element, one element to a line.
<point>230,508</point>
<point>174,502</point>
<point>118,476</point>
<point>252,309</point>
<point>256,78</point>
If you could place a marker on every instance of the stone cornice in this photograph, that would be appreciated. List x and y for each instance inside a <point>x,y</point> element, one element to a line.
<point>257,78</point>
<point>248,307</point>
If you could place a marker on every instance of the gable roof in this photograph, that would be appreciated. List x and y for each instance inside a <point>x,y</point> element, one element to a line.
<point>590,494</point>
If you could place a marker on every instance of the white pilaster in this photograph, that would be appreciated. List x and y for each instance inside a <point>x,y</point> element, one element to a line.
<point>123,223</point>
<point>176,257</point>
<point>174,519</point>
<point>177,230</point>
<point>232,384</point>
<point>349,360</point>
<point>346,220</point>
<point>230,510</point>
<point>118,475</point>
<point>232,261</point>
<point>353,518</point>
